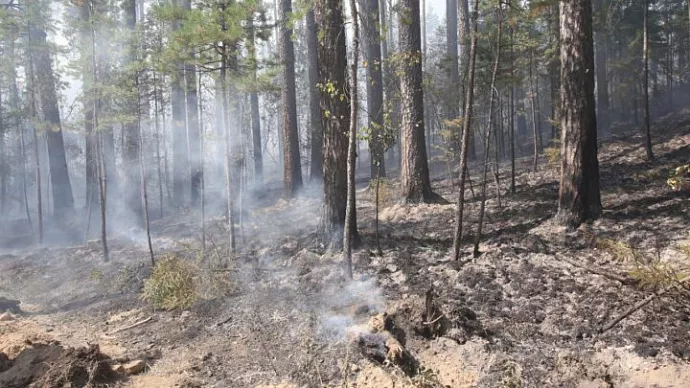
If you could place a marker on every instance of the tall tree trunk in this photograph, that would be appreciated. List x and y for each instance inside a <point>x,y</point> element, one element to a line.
<point>453,91</point>
<point>315,123</point>
<point>555,71</point>
<point>579,198</point>
<point>645,80</point>
<point>487,139</point>
<point>4,162</point>
<point>63,199</point>
<point>602,81</point>
<point>370,23</point>
<point>193,134</point>
<point>416,185</point>
<point>332,65</point>
<point>533,106</point>
<point>467,124</point>
<point>512,112</point>
<point>131,131</point>
<point>351,208</point>
<point>254,108</point>
<point>180,163</point>
<point>292,164</point>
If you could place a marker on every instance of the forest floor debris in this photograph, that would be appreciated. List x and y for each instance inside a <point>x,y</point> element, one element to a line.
<point>524,313</point>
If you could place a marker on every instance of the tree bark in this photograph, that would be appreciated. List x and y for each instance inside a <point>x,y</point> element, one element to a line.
<point>335,103</point>
<point>193,134</point>
<point>132,133</point>
<point>351,208</point>
<point>645,80</point>
<point>180,156</point>
<point>315,120</point>
<point>292,164</point>
<point>451,60</point>
<point>602,83</point>
<point>416,185</point>
<point>374,82</point>
<point>467,124</point>
<point>254,108</point>
<point>579,198</point>
<point>63,200</point>
<point>555,71</point>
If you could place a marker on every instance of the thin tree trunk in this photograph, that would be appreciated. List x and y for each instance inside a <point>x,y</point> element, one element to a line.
<point>158,146</point>
<point>487,142</point>
<point>254,107</point>
<point>534,114</point>
<point>351,209</point>
<point>316,159</point>
<point>512,113</point>
<point>292,164</point>
<point>645,81</point>
<point>142,175</point>
<point>467,124</point>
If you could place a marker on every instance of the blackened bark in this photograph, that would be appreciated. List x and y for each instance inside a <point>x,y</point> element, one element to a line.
<point>416,186</point>
<point>645,81</point>
<point>292,164</point>
<point>579,198</point>
<point>451,61</point>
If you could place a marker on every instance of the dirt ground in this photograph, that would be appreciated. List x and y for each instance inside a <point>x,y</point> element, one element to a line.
<point>527,312</point>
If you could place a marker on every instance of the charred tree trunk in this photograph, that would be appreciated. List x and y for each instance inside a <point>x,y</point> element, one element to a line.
<point>467,124</point>
<point>416,185</point>
<point>292,164</point>
<point>555,72</point>
<point>332,65</point>
<point>579,198</point>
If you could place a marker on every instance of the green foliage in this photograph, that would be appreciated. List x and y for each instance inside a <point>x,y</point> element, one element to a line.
<point>619,250</point>
<point>172,284</point>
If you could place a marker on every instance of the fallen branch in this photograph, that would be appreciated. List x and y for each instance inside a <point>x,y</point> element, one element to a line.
<point>130,326</point>
<point>641,304</point>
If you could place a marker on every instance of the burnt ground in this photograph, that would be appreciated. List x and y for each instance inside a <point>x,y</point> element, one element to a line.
<point>527,312</point>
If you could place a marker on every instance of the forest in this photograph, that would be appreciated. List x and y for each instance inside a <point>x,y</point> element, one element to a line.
<point>330,193</point>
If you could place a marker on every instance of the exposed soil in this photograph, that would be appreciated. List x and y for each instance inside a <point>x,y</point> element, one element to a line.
<point>527,312</point>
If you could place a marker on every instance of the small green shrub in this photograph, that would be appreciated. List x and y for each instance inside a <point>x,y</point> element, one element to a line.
<point>619,250</point>
<point>172,284</point>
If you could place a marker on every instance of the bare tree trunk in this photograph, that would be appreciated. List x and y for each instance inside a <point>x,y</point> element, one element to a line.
<point>467,125</point>
<point>45,81</point>
<point>351,208</point>
<point>292,164</point>
<point>602,84</point>
<point>158,146</point>
<point>180,163</point>
<point>487,142</point>
<point>645,81</point>
<point>193,134</point>
<point>374,85</point>
<point>416,185</point>
<point>555,72</point>
<point>512,113</point>
<point>316,167</point>
<point>132,133</point>
<point>254,107</point>
<point>142,175</point>
<point>532,93</point>
<point>579,198</point>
